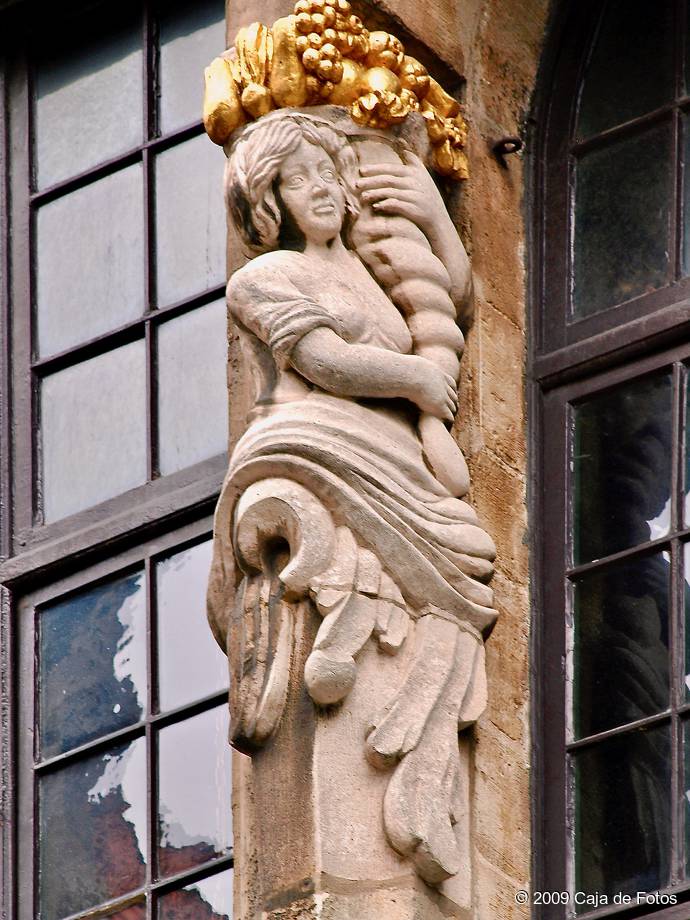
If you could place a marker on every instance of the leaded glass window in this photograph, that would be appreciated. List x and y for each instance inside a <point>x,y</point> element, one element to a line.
<point>609,368</point>
<point>113,439</point>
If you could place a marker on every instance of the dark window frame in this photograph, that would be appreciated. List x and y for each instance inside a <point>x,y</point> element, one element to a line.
<point>22,491</point>
<point>568,361</point>
<point>561,348</point>
<point>166,511</point>
<point>144,555</point>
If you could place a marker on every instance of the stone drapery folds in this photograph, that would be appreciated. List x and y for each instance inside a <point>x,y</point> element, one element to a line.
<point>345,498</point>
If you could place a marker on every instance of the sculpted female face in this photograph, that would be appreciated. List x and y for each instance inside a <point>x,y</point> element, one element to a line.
<point>309,188</point>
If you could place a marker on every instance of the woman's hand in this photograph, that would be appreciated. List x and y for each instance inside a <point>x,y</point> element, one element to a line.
<point>432,390</point>
<point>405,190</point>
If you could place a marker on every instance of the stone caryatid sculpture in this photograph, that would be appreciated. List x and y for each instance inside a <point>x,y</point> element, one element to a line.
<point>344,504</point>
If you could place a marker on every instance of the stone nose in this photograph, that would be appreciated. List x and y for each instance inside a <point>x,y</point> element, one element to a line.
<point>318,184</point>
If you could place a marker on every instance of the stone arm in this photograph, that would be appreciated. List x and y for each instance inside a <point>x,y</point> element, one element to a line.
<point>408,190</point>
<point>354,370</point>
<point>447,245</point>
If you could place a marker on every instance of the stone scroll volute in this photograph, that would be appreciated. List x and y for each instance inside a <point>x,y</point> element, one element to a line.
<point>345,504</point>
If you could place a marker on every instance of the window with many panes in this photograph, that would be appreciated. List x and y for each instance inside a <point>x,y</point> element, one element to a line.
<point>113,434</point>
<point>609,370</point>
<point>122,743</point>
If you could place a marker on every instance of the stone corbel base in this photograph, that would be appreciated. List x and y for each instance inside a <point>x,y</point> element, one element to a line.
<point>308,811</point>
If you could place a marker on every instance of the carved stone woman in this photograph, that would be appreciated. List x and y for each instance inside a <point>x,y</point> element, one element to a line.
<point>342,491</point>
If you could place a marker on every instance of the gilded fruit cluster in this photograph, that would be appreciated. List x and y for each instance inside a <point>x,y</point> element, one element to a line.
<point>323,54</point>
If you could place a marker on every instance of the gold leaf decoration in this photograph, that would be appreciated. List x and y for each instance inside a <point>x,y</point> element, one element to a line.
<point>223,112</point>
<point>288,82</point>
<point>323,53</point>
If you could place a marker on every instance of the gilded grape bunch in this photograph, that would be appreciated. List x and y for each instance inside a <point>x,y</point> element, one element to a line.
<point>323,54</point>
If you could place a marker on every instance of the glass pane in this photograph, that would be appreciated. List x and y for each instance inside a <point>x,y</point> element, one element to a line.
<point>191,665</point>
<point>90,261</point>
<point>686,595</point>
<point>623,198</point>
<point>686,795</point>
<point>623,814</point>
<point>89,94</point>
<point>194,828</point>
<point>189,40</point>
<point>686,195</point>
<point>621,467</point>
<point>92,830</point>
<point>621,644</point>
<point>190,219</point>
<point>193,387</point>
<point>92,659</point>
<point>209,899</point>
<point>93,423</point>
<point>630,71</point>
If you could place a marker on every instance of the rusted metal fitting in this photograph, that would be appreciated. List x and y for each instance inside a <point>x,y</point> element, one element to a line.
<point>506,145</point>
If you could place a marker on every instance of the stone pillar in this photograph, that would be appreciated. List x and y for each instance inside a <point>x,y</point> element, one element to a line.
<point>315,846</point>
<point>349,577</point>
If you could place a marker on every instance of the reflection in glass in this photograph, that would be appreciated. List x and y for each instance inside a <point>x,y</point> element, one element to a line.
<point>191,665</point>
<point>190,37</point>
<point>92,661</point>
<point>686,192</point>
<point>190,220</point>
<point>622,211</point>
<point>621,644</point>
<point>137,912</point>
<point>192,391</point>
<point>89,94</point>
<point>90,261</point>
<point>194,755</point>
<point>621,467</point>
<point>686,794</point>
<point>623,814</point>
<point>92,830</point>
<point>630,71</point>
<point>208,899</point>
<point>686,595</point>
<point>93,426</point>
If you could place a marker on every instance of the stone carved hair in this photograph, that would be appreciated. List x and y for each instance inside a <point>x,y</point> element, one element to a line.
<point>254,165</point>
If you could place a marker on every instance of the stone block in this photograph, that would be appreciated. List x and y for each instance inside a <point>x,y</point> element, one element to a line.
<point>501,828</point>
<point>507,660</point>
<point>495,894</point>
<point>498,494</point>
<point>502,385</point>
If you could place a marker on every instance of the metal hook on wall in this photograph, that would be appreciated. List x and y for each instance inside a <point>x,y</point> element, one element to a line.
<point>505,146</point>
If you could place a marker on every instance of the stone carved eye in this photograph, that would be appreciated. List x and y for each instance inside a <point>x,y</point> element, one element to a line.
<point>295,182</point>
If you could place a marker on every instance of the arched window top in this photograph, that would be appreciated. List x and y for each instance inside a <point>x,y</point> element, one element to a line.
<point>630,68</point>
<point>615,242</point>
<point>611,474</point>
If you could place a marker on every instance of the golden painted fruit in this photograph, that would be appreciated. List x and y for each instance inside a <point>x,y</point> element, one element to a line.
<point>348,88</point>
<point>257,100</point>
<point>254,47</point>
<point>414,76</point>
<point>380,79</point>
<point>288,82</point>
<point>325,70</point>
<point>385,50</point>
<point>444,104</point>
<point>311,59</point>
<point>223,111</point>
